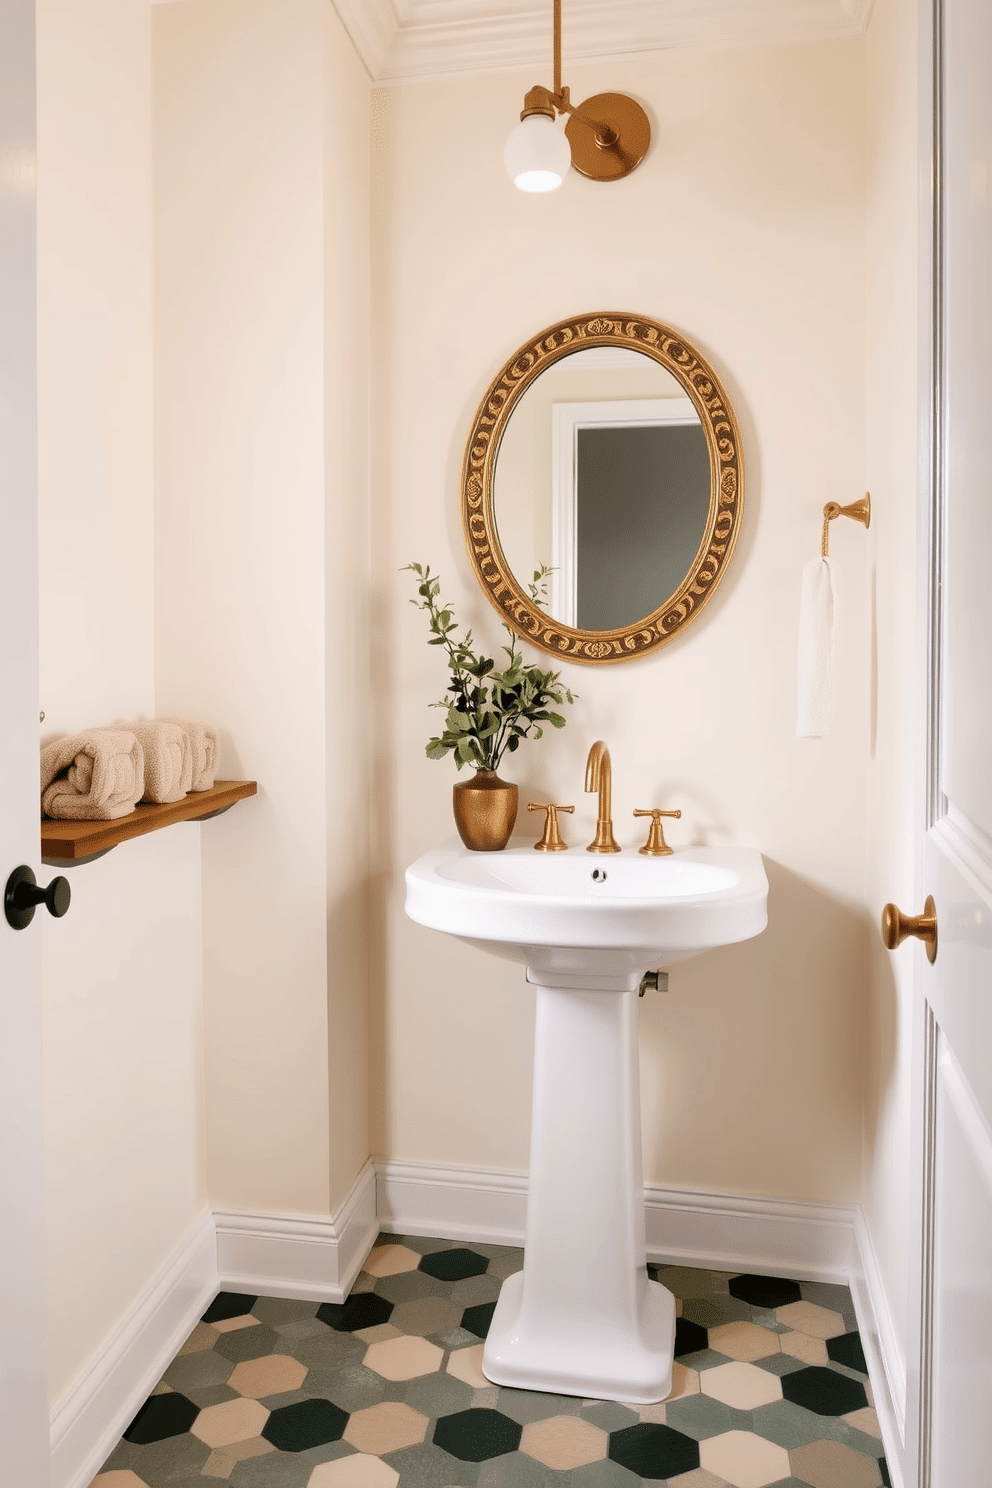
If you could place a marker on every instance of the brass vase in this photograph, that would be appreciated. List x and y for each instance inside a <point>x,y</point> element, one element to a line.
<point>485,811</point>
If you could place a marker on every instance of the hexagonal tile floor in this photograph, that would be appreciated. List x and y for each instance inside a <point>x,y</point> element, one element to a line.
<point>386,1390</point>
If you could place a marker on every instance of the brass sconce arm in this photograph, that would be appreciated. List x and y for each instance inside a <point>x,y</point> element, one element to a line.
<point>613,138</point>
<point>541,100</point>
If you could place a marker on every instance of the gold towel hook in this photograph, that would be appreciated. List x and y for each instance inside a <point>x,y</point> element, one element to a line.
<point>858,511</point>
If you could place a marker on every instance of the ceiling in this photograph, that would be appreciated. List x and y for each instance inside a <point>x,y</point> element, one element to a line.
<point>399,39</point>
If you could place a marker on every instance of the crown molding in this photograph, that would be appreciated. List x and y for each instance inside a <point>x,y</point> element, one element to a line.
<point>401,39</point>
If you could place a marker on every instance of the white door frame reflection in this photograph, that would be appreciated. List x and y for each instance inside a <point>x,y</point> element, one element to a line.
<point>573,492</point>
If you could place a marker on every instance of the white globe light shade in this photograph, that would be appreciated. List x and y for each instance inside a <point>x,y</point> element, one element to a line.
<point>537,154</point>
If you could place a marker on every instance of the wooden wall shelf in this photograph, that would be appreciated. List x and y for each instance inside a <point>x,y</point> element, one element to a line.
<point>69,842</point>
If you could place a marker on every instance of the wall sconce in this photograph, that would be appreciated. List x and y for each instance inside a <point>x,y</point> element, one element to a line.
<point>605,139</point>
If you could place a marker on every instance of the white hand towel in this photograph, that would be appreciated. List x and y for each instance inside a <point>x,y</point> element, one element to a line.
<point>168,760</point>
<point>203,743</point>
<point>817,638</point>
<point>97,775</point>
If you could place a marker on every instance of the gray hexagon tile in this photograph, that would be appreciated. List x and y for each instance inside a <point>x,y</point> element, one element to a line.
<point>386,1390</point>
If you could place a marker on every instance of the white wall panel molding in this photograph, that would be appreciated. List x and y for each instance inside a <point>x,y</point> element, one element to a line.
<point>883,1354</point>
<point>88,1421</point>
<point>725,1231</point>
<point>431,38</point>
<point>280,1255</point>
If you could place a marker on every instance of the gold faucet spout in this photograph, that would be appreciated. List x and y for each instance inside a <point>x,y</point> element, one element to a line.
<point>599,777</point>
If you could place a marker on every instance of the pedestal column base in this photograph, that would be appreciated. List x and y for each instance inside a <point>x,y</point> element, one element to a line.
<point>569,1358</point>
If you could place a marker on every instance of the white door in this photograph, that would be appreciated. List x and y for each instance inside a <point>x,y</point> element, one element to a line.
<point>24,1428</point>
<point>954,1446</point>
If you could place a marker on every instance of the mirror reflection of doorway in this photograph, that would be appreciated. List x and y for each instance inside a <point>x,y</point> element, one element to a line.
<point>631,498</point>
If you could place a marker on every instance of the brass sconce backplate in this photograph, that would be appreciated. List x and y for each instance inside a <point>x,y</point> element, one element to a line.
<point>626,119</point>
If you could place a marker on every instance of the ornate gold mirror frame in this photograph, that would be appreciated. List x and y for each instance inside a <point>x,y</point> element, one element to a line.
<point>676,355</point>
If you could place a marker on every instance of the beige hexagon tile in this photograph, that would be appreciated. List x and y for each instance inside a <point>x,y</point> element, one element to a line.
<point>120,1477</point>
<point>678,1306</point>
<point>829,1464</point>
<point>801,1346</point>
<point>162,1388</point>
<point>654,1414</point>
<point>363,1283</point>
<point>390,1260</point>
<point>385,1428</point>
<point>231,1325</point>
<point>685,1381</point>
<point>203,1337</point>
<point>354,1472</point>
<point>272,1374</point>
<point>743,1341</point>
<point>223,1460</point>
<point>864,1420</point>
<point>807,1317</point>
<point>232,1421</point>
<point>743,1459</point>
<point>466,1364</point>
<point>378,1333</point>
<point>743,1386</point>
<point>563,1442</point>
<point>403,1358</point>
<point>869,1393</point>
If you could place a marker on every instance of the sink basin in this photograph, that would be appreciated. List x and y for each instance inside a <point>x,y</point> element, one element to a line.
<point>583,1317</point>
<point>547,909</point>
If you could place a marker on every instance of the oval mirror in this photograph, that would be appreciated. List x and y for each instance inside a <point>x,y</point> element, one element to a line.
<point>603,487</point>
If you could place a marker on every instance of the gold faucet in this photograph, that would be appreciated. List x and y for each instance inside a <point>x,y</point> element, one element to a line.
<point>599,777</point>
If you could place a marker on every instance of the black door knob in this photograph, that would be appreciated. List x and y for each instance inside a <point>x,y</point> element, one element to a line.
<point>23,894</point>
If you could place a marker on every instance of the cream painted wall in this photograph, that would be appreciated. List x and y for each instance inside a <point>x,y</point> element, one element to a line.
<point>347,704</point>
<point>122,971</point>
<point>745,228</point>
<point>255,342</point>
<point>897,697</point>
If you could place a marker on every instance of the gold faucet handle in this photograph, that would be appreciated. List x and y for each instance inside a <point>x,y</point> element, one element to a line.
<point>551,841</point>
<point>656,846</point>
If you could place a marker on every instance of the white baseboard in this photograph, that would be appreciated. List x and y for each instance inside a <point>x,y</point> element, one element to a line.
<point>452,1203</point>
<point>725,1231</point>
<point>288,1255</point>
<point>736,1232</point>
<point>883,1354</point>
<point>88,1421</point>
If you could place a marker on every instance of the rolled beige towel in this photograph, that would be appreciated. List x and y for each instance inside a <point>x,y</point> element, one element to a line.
<point>203,744</point>
<point>97,775</point>
<point>168,759</point>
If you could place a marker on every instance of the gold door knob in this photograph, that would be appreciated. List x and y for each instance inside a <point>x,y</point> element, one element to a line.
<point>896,926</point>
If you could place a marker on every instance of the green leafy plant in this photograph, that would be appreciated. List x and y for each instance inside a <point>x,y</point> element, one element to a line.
<point>488,710</point>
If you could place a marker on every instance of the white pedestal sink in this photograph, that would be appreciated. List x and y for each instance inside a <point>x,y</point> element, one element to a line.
<point>582,1318</point>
